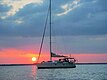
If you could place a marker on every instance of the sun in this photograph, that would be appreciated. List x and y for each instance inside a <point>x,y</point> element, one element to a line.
<point>33,58</point>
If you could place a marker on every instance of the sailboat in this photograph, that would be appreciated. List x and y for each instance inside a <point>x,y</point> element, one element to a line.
<point>63,61</point>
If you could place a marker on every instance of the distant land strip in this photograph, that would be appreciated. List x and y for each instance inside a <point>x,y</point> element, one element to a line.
<point>37,63</point>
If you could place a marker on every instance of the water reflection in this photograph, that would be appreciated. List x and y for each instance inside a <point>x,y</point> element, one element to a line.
<point>33,72</point>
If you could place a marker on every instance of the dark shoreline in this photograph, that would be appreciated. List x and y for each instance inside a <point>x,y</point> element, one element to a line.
<point>16,64</point>
<point>36,64</point>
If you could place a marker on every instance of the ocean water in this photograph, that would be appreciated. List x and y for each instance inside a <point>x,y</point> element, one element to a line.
<point>81,72</point>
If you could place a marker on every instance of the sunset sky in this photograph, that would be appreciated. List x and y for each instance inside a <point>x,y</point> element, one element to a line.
<point>79,28</point>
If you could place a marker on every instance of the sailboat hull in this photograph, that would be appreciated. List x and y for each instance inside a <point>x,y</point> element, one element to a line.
<point>55,65</point>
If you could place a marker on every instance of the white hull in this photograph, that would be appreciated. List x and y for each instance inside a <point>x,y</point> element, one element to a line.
<point>50,65</point>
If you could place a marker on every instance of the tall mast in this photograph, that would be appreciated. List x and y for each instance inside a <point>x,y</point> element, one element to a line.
<point>50,33</point>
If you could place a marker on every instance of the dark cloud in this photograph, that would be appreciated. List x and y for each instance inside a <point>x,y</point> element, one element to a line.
<point>18,42</point>
<point>65,44</point>
<point>88,19</point>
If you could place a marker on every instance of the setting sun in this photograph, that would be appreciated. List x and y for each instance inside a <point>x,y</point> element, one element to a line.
<point>33,59</point>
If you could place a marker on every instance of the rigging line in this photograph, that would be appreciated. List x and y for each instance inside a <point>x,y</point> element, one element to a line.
<point>43,35</point>
<point>50,32</point>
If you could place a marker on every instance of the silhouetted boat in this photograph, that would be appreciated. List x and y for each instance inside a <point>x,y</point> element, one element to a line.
<point>64,62</point>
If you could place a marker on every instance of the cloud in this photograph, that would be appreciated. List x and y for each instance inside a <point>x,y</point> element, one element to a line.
<point>28,21</point>
<point>88,19</point>
<point>69,7</point>
<point>83,44</point>
<point>17,5</point>
<point>3,10</point>
<point>62,44</point>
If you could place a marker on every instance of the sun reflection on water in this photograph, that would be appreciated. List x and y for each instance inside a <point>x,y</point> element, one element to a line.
<point>33,72</point>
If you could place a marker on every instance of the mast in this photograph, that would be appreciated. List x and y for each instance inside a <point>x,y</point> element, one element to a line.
<point>50,33</point>
<point>48,15</point>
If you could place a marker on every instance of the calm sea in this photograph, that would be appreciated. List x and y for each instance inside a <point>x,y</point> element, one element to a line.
<point>81,72</point>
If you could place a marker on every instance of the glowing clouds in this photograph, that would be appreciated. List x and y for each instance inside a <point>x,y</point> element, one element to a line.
<point>16,5</point>
<point>69,7</point>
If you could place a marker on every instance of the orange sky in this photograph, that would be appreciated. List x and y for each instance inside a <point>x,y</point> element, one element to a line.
<point>14,56</point>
